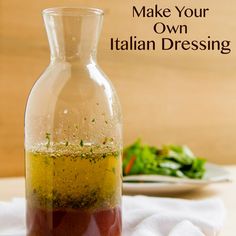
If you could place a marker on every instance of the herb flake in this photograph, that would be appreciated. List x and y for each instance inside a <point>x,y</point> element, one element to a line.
<point>81,143</point>
<point>48,138</point>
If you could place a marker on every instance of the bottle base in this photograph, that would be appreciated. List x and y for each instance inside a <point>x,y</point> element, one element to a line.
<point>73,222</point>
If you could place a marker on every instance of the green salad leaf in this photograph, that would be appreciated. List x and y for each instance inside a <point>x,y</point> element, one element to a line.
<point>171,160</point>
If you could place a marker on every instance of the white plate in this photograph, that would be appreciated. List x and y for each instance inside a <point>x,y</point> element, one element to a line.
<point>213,173</point>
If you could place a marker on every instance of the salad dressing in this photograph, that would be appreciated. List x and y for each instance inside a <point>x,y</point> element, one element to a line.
<point>70,198</point>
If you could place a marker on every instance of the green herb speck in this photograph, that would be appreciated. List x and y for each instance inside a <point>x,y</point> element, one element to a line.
<point>48,137</point>
<point>81,143</point>
<point>46,160</point>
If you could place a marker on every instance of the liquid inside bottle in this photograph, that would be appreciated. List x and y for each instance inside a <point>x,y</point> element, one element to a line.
<point>71,197</point>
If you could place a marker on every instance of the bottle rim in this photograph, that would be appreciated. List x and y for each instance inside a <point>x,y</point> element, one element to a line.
<point>73,11</point>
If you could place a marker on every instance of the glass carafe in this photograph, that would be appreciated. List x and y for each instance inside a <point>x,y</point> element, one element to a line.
<point>73,135</point>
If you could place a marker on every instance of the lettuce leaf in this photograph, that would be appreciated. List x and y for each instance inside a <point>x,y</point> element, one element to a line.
<point>171,160</point>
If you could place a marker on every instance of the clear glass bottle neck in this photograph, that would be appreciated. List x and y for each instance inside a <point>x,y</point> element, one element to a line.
<point>73,33</point>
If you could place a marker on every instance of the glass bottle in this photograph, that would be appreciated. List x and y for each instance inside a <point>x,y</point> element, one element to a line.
<point>73,135</point>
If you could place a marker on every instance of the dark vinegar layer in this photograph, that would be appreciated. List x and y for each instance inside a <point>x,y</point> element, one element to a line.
<point>73,222</point>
